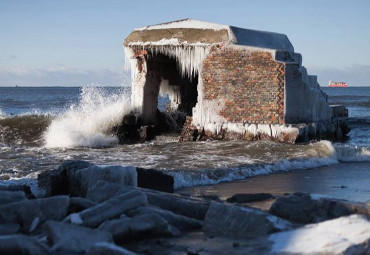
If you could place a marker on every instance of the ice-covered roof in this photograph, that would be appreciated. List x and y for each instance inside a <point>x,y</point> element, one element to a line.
<point>185,23</point>
<point>190,31</point>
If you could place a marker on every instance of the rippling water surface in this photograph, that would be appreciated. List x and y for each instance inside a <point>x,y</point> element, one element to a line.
<point>42,127</point>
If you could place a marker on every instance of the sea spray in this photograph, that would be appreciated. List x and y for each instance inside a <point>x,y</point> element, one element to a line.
<point>89,123</point>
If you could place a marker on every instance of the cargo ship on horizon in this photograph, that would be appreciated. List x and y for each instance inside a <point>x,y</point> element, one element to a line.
<point>338,84</point>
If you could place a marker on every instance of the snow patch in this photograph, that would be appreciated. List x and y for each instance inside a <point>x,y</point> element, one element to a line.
<point>76,219</point>
<point>329,237</point>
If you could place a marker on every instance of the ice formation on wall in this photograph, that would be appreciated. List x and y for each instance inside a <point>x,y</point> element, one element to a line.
<point>173,91</point>
<point>188,56</point>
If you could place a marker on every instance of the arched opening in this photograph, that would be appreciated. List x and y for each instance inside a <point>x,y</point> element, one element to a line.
<point>168,90</point>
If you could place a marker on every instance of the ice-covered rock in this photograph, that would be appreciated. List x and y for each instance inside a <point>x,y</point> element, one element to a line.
<point>60,181</point>
<point>15,187</point>
<point>67,238</point>
<point>138,227</point>
<point>78,204</point>
<point>87,177</point>
<point>112,208</point>
<point>192,208</point>
<point>21,244</point>
<point>76,177</point>
<point>9,228</point>
<point>104,248</point>
<point>241,222</point>
<point>184,206</point>
<point>104,190</point>
<point>7,197</point>
<point>27,213</point>
<point>176,220</point>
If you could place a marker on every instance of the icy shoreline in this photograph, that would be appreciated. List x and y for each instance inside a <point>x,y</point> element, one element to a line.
<point>90,209</point>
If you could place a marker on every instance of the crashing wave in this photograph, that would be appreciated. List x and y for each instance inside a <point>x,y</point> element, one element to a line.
<point>89,123</point>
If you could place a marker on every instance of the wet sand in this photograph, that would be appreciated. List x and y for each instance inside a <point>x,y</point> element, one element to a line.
<point>349,181</point>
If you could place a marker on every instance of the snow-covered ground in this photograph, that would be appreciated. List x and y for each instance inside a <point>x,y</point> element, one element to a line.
<point>329,237</point>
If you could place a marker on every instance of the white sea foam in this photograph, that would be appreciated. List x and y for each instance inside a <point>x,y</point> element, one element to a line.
<point>89,123</point>
<point>353,154</point>
<point>325,152</point>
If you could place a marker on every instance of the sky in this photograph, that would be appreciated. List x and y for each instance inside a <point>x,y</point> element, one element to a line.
<point>77,43</point>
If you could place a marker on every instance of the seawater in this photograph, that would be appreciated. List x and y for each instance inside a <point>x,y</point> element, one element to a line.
<point>42,127</point>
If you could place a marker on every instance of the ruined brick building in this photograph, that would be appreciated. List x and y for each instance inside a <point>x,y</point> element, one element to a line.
<point>229,79</point>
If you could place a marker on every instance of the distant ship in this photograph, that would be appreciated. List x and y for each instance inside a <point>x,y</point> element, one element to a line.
<point>337,84</point>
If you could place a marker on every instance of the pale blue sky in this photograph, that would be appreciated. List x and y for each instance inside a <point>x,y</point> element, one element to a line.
<point>76,43</point>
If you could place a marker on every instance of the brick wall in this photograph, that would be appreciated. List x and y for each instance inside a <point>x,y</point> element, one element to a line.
<point>251,83</point>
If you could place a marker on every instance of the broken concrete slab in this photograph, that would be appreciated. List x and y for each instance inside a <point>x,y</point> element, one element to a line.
<point>29,212</point>
<point>114,207</point>
<point>186,206</point>
<point>21,244</point>
<point>241,222</point>
<point>7,197</point>
<point>138,227</point>
<point>176,220</point>
<point>67,238</point>
<point>108,248</point>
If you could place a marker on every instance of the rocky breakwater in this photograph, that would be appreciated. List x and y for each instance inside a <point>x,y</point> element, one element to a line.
<point>102,211</point>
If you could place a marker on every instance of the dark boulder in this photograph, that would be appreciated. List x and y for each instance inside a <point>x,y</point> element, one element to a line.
<point>58,182</point>
<point>154,179</point>
<point>302,208</point>
<point>249,198</point>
